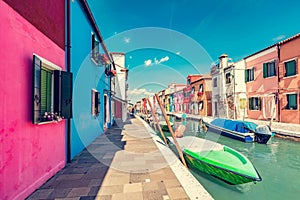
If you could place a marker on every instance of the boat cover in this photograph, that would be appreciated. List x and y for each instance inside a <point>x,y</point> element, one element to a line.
<point>234,125</point>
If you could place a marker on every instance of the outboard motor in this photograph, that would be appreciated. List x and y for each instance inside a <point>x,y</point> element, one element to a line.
<point>262,134</point>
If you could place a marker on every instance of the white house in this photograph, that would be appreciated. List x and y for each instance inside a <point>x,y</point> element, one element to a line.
<point>119,87</point>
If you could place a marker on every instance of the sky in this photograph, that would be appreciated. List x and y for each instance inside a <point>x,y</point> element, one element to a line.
<point>166,40</point>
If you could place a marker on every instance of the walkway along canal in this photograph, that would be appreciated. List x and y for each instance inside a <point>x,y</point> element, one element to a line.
<point>278,162</point>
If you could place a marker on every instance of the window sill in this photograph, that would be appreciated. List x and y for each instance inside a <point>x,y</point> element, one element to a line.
<point>48,122</point>
<point>292,76</point>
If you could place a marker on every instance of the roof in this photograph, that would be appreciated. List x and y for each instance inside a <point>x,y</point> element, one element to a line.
<point>273,45</point>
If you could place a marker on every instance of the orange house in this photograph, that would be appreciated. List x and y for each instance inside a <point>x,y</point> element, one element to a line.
<point>289,80</point>
<point>261,77</point>
<point>201,99</point>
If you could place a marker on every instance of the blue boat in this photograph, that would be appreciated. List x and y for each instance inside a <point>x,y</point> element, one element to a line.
<point>240,130</point>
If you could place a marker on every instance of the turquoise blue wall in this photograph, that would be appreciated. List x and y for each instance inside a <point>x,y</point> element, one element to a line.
<point>86,76</point>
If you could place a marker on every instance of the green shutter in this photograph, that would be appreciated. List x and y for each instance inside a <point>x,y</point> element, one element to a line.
<point>63,93</point>
<point>66,94</point>
<point>265,70</point>
<point>36,100</point>
<point>246,75</point>
<point>46,90</point>
<point>250,103</point>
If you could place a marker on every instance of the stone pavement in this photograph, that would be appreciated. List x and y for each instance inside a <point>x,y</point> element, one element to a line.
<point>124,163</point>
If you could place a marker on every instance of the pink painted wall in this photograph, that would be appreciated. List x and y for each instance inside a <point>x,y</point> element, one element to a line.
<point>289,50</point>
<point>260,85</point>
<point>30,154</point>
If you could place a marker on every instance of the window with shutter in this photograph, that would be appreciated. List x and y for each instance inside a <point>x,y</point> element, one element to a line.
<point>48,92</point>
<point>292,101</point>
<point>290,68</point>
<point>95,49</point>
<point>95,103</point>
<point>269,69</point>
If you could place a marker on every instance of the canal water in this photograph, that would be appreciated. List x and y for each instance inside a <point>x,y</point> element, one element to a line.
<point>278,163</point>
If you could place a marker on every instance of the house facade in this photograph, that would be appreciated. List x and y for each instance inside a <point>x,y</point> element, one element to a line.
<point>33,60</point>
<point>219,98</point>
<point>202,96</point>
<point>119,87</point>
<point>262,84</point>
<point>289,80</point>
<point>91,65</point>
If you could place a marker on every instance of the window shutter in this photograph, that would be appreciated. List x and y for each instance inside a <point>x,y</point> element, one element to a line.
<point>246,76</point>
<point>36,100</point>
<point>250,104</point>
<point>258,103</point>
<point>265,69</point>
<point>97,102</point>
<point>63,93</point>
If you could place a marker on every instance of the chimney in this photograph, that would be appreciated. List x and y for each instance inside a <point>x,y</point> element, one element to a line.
<point>223,61</point>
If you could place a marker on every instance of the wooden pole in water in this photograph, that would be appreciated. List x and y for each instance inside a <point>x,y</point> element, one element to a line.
<point>156,122</point>
<point>171,130</point>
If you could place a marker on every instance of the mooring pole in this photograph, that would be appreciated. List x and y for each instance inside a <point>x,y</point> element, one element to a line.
<point>171,130</point>
<point>156,122</point>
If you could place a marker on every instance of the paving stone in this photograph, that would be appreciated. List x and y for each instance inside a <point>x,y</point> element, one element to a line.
<point>177,193</point>
<point>60,193</point>
<point>109,190</point>
<point>133,187</point>
<point>103,197</point>
<point>78,192</point>
<point>40,194</point>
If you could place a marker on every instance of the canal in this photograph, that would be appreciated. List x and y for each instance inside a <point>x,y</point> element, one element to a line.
<point>278,163</point>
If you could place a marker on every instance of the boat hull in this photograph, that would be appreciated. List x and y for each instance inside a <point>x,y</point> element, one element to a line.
<point>230,134</point>
<point>225,175</point>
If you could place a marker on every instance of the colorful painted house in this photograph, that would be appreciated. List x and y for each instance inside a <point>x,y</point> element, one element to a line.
<point>119,86</point>
<point>261,77</point>
<point>289,80</point>
<point>177,95</point>
<point>34,78</point>
<point>192,80</point>
<point>202,97</point>
<point>219,98</point>
<point>92,67</point>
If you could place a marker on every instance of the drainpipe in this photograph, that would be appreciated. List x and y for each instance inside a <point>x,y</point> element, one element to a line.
<point>278,89</point>
<point>68,48</point>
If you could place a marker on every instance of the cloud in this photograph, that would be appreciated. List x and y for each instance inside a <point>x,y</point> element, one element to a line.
<point>279,37</point>
<point>140,91</point>
<point>155,61</point>
<point>148,62</point>
<point>164,59</point>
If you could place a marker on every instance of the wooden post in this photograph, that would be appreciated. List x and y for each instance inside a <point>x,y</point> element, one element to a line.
<point>156,122</point>
<point>171,130</point>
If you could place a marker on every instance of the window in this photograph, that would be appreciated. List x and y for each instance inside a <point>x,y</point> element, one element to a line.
<point>290,68</point>
<point>95,103</point>
<point>201,105</point>
<point>95,49</point>
<point>254,103</point>
<point>269,69</point>
<point>189,81</point>
<point>201,88</point>
<point>228,78</point>
<point>215,83</point>
<point>249,75</point>
<point>292,101</point>
<point>52,92</point>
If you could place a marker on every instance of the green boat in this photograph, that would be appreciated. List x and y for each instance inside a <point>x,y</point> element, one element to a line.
<point>164,125</point>
<point>217,160</point>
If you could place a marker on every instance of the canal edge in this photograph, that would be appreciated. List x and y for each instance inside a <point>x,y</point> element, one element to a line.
<point>191,185</point>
